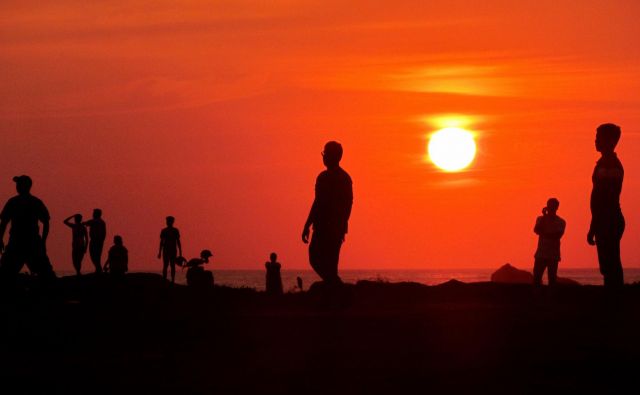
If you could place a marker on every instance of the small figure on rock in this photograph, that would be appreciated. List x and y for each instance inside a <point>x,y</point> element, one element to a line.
<point>118,259</point>
<point>274,280</point>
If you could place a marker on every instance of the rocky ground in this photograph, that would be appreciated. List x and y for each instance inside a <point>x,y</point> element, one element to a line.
<point>93,336</point>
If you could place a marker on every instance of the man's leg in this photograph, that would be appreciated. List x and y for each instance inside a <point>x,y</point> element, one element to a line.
<point>76,257</point>
<point>38,262</point>
<point>552,272</point>
<point>95,252</point>
<point>172,262</point>
<point>333,258</point>
<point>11,262</point>
<point>165,265</point>
<point>609,260</point>
<point>538,271</point>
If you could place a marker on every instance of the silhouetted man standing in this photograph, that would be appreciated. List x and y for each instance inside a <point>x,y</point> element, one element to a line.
<point>607,222</point>
<point>97,235</point>
<point>170,248</point>
<point>79,241</point>
<point>26,245</point>
<point>550,228</point>
<point>329,215</point>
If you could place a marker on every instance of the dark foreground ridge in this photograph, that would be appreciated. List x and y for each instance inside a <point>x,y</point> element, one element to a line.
<point>90,335</point>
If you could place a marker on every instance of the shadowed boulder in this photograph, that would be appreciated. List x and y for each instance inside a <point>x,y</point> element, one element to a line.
<point>512,275</point>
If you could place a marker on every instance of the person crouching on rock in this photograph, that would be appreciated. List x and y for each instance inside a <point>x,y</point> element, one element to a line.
<point>196,275</point>
<point>117,263</point>
<point>549,228</point>
<point>274,281</point>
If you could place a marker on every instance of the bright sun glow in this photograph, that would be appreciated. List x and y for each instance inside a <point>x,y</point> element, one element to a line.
<point>452,149</point>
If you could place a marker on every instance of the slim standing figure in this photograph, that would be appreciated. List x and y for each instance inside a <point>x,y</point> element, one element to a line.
<point>97,235</point>
<point>274,280</point>
<point>329,215</point>
<point>170,248</point>
<point>550,228</point>
<point>607,221</point>
<point>79,241</point>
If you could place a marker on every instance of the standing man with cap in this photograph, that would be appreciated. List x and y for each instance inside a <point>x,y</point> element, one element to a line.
<point>329,215</point>
<point>26,245</point>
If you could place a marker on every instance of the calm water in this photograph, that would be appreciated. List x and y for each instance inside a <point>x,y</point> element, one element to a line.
<point>256,278</point>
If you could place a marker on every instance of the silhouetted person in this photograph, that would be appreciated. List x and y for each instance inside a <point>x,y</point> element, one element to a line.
<point>607,222</point>
<point>97,235</point>
<point>300,283</point>
<point>329,215</point>
<point>170,248</point>
<point>26,245</point>
<point>196,275</point>
<point>79,241</point>
<point>274,281</point>
<point>117,263</point>
<point>549,228</point>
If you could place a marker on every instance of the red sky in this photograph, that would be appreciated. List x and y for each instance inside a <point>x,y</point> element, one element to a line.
<point>217,114</point>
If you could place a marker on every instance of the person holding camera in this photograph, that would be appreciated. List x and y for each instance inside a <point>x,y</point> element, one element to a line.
<point>549,228</point>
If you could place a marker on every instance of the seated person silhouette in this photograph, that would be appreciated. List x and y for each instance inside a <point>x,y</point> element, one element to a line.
<point>329,215</point>
<point>196,275</point>
<point>170,248</point>
<point>607,221</point>
<point>274,281</point>
<point>117,263</point>
<point>79,241</point>
<point>97,235</point>
<point>549,228</point>
<point>26,244</point>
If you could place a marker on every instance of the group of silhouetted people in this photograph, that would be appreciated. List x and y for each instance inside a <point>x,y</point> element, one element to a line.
<point>607,221</point>
<point>117,262</point>
<point>328,218</point>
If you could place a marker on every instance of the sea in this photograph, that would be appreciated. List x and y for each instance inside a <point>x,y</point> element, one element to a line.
<point>256,278</point>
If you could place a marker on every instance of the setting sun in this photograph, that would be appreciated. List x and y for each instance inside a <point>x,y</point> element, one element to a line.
<point>452,149</point>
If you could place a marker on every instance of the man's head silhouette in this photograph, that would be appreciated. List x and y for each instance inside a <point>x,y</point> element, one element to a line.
<point>607,137</point>
<point>97,213</point>
<point>23,184</point>
<point>117,240</point>
<point>552,205</point>
<point>170,220</point>
<point>332,154</point>
<point>78,218</point>
<point>273,257</point>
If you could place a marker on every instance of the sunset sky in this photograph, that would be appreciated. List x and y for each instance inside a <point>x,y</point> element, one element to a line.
<point>216,112</point>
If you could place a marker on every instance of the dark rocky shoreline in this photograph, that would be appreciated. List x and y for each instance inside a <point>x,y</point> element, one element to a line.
<point>90,335</point>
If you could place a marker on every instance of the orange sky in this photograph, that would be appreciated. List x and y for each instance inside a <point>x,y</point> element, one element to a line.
<point>217,114</point>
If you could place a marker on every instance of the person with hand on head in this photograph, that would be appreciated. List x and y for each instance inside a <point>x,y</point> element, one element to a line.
<point>79,241</point>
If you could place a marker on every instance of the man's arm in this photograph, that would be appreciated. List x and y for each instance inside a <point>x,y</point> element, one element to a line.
<point>85,238</point>
<point>310,219</point>
<point>66,222</point>
<point>3,228</point>
<point>179,244</point>
<point>45,231</point>
<point>312,214</point>
<point>161,245</point>
<point>537,229</point>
